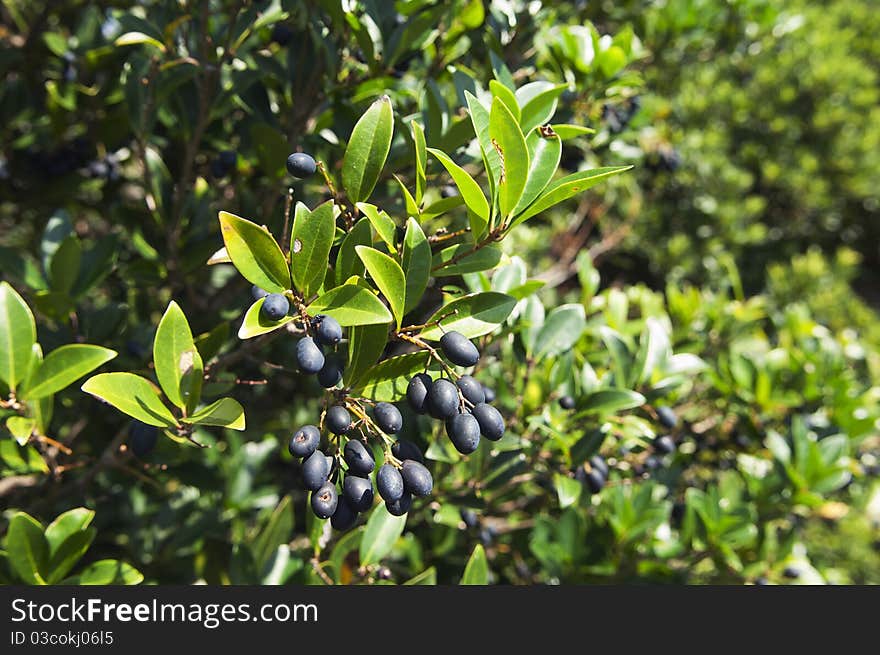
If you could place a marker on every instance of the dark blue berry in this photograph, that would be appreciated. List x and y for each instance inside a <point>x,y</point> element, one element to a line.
<point>331,373</point>
<point>315,470</point>
<point>464,432</point>
<point>403,449</point>
<point>442,399</point>
<point>338,419</point>
<point>304,441</point>
<point>471,389</point>
<point>400,506</point>
<point>566,402</point>
<point>417,392</point>
<point>490,420</point>
<point>389,483</point>
<point>257,292</point>
<point>664,445</point>
<point>667,418</point>
<point>275,306</point>
<point>345,515</point>
<point>309,356</point>
<point>325,501</point>
<point>459,349</point>
<point>388,418</point>
<point>328,332</point>
<point>358,491</point>
<point>301,165</point>
<point>359,458</point>
<point>417,479</point>
<point>142,438</point>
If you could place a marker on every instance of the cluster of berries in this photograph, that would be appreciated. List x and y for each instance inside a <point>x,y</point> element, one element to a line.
<point>462,405</point>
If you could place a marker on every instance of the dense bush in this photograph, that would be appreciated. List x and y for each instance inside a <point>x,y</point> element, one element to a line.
<point>723,429</point>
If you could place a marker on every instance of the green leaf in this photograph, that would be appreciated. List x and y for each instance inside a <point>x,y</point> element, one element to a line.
<point>476,572</point>
<point>64,366</point>
<point>567,489</point>
<point>226,413</point>
<point>426,577</point>
<point>255,324</point>
<point>271,148</point>
<point>21,428</point>
<point>67,524</point>
<point>176,359</point>
<point>561,330</point>
<point>27,549</point>
<point>351,304</point>
<point>388,276</point>
<point>387,380</point>
<point>544,155</point>
<point>566,132</point>
<point>608,401</point>
<point>255,253</point>
<point>132,395</point>
<point>654,351</point>
<point>385,226</point>
<point>538,101</point>
<point>105,572</point>
<point>365,346</point>
<point>64,265</point>
<point>480,118</point>
<point>310,243</point>
<point>416,264</point>
<point>138,38</point>
<point>421,160</point>
<point>462,258</point>
<point>347,261</point>
<point>383,529</point>
<point>470,192</point>
<point>506,96</point>
<point>18,334</point>
<point>69,537</point>
<point>412,207</point>
<point>473,315</point>
<point>277,532</point>
<point>567,187</point>
<point>506,137</point>
<point>367,150</point>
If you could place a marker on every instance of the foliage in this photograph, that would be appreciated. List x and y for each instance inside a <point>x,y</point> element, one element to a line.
<point>472,176</point>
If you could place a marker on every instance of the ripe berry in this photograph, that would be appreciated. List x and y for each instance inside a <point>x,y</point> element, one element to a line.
<point>304,441</point>
<point>228,158</point>
<point>328,332</point>
<point>417,479</point>
<point>325,500</point>
<point>592,478</point>
<point>442,399</point>
<point>309,356</point>
<point>664,445</point>
<point>667,417</point>
<point>490,394</point>
<point>315,470</point>
<point>599,463</point>
<point>142,438</point>
<point>417,392</point>
<point>257,293</point>
<point>345,515</point>
<point>459,349</point>
<point>275,307</point>
<point>301,165</point>
<point>359,458</point>
<point>400,506</point>
<point>471,389</point>
<point>464,432</point>
<point>388,418</point>
<point>404,449</point>
<point>791,572</point>
<point>358,491</point>
<point>338,419</point>
<point>389,483</point>
<point>652,463</point>
<point>331,373</point>
<point>566,402</point>
<point>490,420</point>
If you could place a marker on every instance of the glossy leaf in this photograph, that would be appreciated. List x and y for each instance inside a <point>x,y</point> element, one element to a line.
<point>383,529</point>
<point>107,572</point>
<point>27,549</point>
<point>508,139</point>
<point>538,102</point>
<point>476,571</point>
<point>473,315</point>
<point>64,265</point>
<point>545,152</point>
<point>176,359</point>
<point>18,334</point>
<point>64,366</point>
<point>462,258</point>
<point>421,153</point>
<point>567,187</point>
<point>566,132</point>
<point>608,401</point>
<point>505,95</point>
<point>384,225</point>
<point>367,150</point>
<point>132,395</point>
<point>470,191</point>
<point>351,304</point>
<point>310,243</point>
<point>365,346</point>
<point>255,324</point>
<point>561,330</point>
<point>388,277</point>
<point>387,381</point>
<point>568,490</point>
<point>348,263</point>
<point>226,412</point>
<point>480,119</point>
<point>255,253</point>
<point>416,264</point>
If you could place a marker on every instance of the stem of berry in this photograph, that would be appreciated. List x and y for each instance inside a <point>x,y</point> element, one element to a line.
<point>431,350</point>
